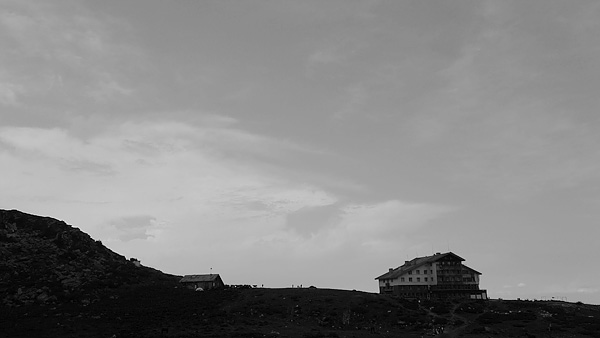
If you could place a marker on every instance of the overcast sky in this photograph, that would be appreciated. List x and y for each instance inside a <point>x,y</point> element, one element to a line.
<point>312,142</point>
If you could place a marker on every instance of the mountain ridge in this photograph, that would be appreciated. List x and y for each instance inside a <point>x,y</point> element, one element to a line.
<point>47,260</point>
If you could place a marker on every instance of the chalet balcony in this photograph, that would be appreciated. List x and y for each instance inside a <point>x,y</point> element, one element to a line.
<point>454,286</point>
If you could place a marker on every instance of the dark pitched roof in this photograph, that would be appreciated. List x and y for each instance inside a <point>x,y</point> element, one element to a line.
<point>415,263</point>
<point>199,278</point>
<point>472,270</point>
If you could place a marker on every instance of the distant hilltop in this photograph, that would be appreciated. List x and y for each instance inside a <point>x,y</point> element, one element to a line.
<point>44,260</point>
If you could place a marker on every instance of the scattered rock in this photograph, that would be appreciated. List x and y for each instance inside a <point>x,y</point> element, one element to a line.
<point>45,260</point>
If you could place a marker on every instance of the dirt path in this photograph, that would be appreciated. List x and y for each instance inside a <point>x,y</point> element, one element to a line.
<point>450,332</point>
<point>455,332</point>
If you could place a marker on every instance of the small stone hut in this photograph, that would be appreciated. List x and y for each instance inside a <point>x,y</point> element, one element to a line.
<point>206,282</point>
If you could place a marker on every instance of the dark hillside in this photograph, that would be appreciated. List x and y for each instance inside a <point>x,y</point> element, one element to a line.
<point>43,260</point>
<point>162,310</point>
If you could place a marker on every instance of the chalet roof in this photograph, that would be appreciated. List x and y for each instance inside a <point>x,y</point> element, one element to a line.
<point>472,270</point>
<point>199,278</point>
<point>418,262</point>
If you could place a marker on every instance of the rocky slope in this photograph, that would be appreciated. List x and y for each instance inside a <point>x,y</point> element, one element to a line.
<point>160,310</point>
<point>44,260</point>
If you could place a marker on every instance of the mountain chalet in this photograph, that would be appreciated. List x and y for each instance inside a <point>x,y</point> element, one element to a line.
<point>440,276</point>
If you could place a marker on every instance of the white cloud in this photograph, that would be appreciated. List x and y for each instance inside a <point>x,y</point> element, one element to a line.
<point>373,228</point>
<point>337,52</point>
<point>149,168</point>
<point>323,56</point>
<point>107,88</point>
<point>133,227</point>
<point>64,34</point>
<point>588,290</point>
<point>356,97</point>
<point>49,50</point>
<point>330,11</point>
<point>9,93</point>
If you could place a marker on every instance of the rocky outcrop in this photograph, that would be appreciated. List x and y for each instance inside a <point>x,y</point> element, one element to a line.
<point>44,260</point>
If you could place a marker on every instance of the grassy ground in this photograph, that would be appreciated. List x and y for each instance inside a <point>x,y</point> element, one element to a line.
<point>162,310</point>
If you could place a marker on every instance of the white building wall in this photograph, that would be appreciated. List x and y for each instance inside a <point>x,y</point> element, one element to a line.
<point>432,277</point>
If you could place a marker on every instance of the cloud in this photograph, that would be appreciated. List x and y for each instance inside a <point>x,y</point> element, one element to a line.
<point>58,147</point>
<point>336,228</point>
<point>387,222</point>
<point>588,290</point>
<point>324,56</point>
<point>308,221</point>
<point>337,52</point>
<point>87,166</point>
<point>316,12</point>
<point>153,167</point>
<point>69,50</point>
<point>355,99</point>
<point>9,93</point>
<point>529,152</point>
<point>501,120</point>
<point>108,88</point>
<point>133,227</point>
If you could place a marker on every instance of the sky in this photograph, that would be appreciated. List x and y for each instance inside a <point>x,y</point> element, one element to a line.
<point>281,143</point>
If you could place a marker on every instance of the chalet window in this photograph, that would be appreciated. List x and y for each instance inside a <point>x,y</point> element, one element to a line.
<point>418,272</point>
<point>418,279</point>
<point>410,279</point>
<point>402,279</point>
<point>410,272</point>
<point>426,279</point>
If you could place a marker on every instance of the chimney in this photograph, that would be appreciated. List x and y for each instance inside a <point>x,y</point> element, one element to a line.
<point>391,269</point>
<point>437,253</point>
